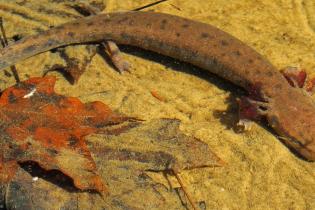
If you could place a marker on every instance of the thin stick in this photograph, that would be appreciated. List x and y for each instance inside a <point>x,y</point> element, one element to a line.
<point>185,191</point>
<point>148,5</point>
<point>4,42</point>
<point>3,32</point>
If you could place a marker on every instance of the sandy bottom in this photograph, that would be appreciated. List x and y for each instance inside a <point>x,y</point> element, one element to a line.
<point>261,173</point>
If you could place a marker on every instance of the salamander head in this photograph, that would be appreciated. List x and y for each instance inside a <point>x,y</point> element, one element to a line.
<point>292,115</point>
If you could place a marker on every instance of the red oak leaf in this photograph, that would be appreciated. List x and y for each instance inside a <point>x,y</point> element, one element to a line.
<point>38,125</point>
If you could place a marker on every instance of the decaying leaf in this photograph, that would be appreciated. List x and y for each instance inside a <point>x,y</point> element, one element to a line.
<point>38,125</point>
<point>76,59</point>
<point>122,161</point>
<point>158,146</point>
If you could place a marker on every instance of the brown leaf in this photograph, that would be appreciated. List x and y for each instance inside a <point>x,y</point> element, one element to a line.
<point>157,146</point>
<point>36,124</point>
<point>76,58</point>
<point>123,160</point>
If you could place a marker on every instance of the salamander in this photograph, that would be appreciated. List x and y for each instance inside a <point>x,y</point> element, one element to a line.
<point>288,110</point>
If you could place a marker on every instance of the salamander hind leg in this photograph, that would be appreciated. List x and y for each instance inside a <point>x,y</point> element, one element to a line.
<point>116,56</point>
<point>111,48</point>
<point>297,77</point>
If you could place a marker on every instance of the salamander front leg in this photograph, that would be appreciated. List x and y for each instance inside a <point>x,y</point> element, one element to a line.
<point>252,107</point>
<point>250,110</point>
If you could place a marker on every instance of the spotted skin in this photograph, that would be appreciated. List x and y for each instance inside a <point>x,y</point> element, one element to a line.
<point>290,112</point>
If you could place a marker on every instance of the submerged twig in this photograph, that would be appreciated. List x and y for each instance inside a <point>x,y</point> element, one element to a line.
<point>4,43</point>
<point>184,190</point>
<point>148,5</point>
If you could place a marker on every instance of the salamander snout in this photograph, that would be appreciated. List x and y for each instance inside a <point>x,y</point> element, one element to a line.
<point>293,118</point>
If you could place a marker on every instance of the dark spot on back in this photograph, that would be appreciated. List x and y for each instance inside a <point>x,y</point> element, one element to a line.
<point>74,24</point>
<point>225,43</point>
<point>250,60</point>
<point>237,53</point>
<point>90,23</point>
<point>163,24</point>
<point>306,110</point>
<point>178,34</point>
<point>185,25</point>
<point>204,35</point>
<point>278,86</point>
<point>269,73</point>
